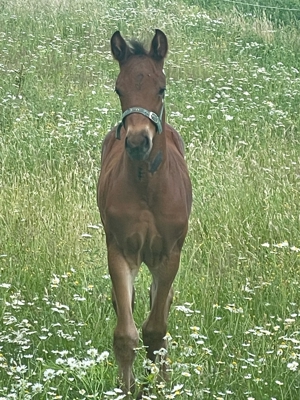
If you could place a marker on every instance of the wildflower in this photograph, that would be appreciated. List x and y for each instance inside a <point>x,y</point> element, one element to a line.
<point>296,249</point>
<point>5,285</point>
<point>54,281</point>
<point>87,363</point>
<point>168,337</point>
<point>177,388</point>
<point>188,352</point>
<point>37,388</point>
<point>59,372</point>
<point>188,312</point>
<point>95,226</point>
<point>49,374</point>
<point>289,321</point>
<point>21,369</point>
<point>154,369</point>
<point>76,297</point>
<point>293,366</point>
<point>279,383</point>
<point>86,235</point>
<point>72,362</point>
<point>92,352</point>
<point>195,328</point>
<point>60,308</point>
<point>160,385</point>
<point>103,356</point>
<point>162,352</point>
<point>194,336</point>
<point>198,370</point>
<point>232,308</point>
<point>207,351</point>
<point>283,244</point>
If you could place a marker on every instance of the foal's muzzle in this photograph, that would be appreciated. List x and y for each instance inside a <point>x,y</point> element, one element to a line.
<point>138,146</point>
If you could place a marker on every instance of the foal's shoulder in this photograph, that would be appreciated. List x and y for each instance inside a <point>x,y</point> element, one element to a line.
<point>176,138</point>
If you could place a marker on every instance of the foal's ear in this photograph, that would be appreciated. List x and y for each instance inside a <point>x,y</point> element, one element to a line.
<point>159,46</point>
<point>119,47</point>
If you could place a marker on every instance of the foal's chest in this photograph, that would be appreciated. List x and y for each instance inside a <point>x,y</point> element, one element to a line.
<point>140,233</point>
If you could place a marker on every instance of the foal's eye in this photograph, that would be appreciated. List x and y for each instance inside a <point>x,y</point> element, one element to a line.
<point>162,92</point>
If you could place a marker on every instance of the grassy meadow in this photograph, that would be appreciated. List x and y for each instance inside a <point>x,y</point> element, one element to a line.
<point>233,93</point>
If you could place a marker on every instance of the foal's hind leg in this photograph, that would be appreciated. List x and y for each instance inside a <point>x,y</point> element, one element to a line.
<point>155,327</point>
<point>125,334</point>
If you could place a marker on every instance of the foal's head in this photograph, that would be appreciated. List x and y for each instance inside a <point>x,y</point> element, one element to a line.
<point>141,86</point>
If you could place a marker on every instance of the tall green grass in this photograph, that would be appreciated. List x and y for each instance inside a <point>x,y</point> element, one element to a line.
<point>233,93</point>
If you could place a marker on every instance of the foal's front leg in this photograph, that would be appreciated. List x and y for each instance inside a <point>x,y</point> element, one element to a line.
<point>161,295</point>
<point>125,334</point>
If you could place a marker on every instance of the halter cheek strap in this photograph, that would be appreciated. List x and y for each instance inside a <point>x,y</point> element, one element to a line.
<point>157,120</point>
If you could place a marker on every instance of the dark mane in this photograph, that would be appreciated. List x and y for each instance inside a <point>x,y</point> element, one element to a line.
<point>137,48</point>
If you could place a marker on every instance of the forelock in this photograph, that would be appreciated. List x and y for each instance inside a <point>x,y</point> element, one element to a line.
<point>137,48</point>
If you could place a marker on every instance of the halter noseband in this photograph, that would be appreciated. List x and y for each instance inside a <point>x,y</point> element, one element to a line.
<point>157,120</point>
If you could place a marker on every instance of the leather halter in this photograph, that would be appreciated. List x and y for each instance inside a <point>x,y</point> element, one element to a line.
<point>157,120</point>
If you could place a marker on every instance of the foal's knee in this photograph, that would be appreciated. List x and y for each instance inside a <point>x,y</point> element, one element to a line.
<point>154,339</point>
<point>125,342</point>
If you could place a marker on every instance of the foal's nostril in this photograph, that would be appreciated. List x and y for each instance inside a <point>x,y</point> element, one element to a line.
<point>137,141</point>
<point>137,145</point>
<point>146,142</point>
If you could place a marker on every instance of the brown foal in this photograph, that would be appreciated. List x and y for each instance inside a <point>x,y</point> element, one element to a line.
<point>144,198</point>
